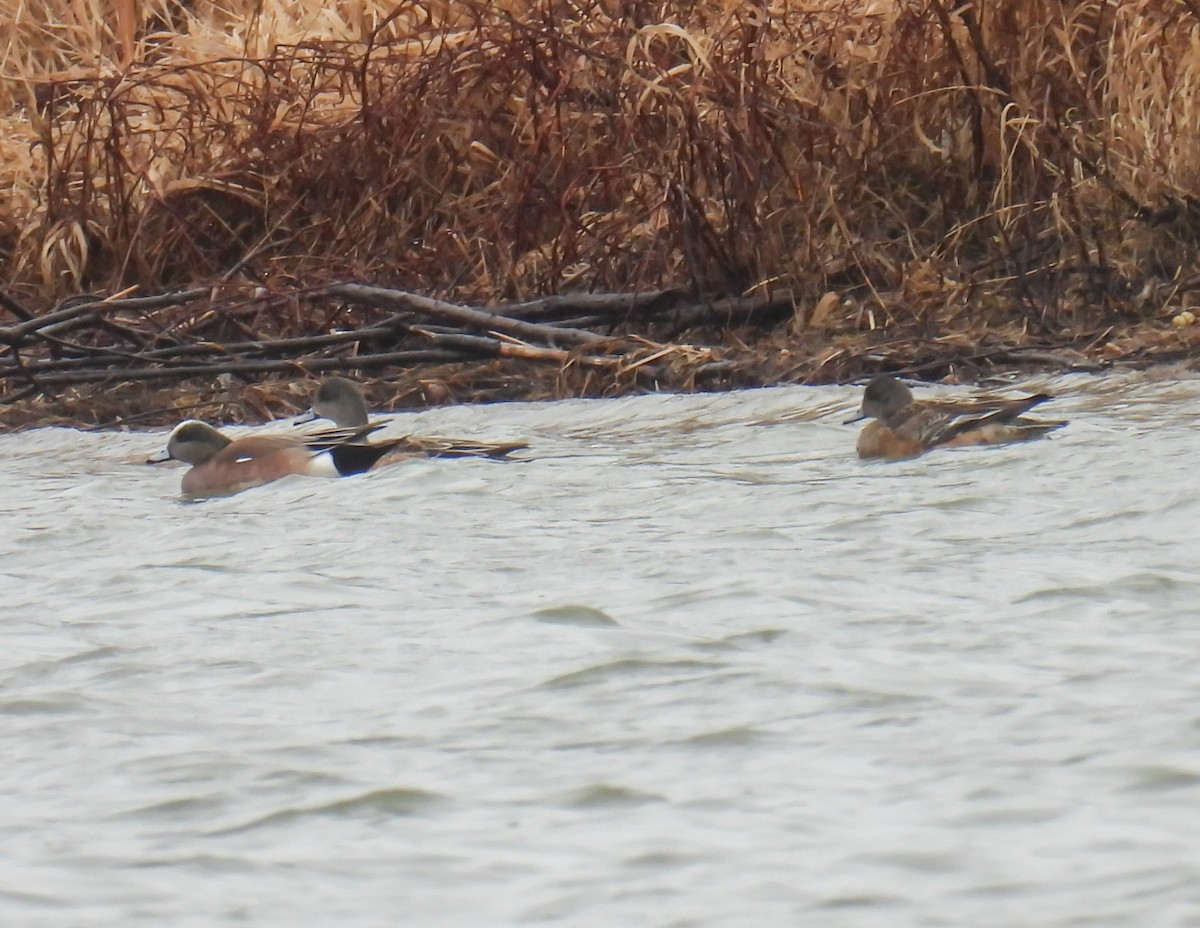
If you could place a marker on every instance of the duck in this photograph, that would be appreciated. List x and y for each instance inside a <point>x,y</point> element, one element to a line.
<point>221,466</point>
<point>904,427</point>
<point>341,401</point>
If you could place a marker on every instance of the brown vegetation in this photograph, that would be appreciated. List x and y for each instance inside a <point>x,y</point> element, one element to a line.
<point>908,185</point>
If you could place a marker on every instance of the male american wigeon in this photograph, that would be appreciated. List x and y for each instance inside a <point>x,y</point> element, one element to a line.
<point>905,428</point>
<point>222,466</point>
<point>341,401</point>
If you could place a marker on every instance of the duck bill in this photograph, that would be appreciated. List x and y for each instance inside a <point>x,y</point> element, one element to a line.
<point>159,456</point>
<point>307,416</point>
<point>854,419</point>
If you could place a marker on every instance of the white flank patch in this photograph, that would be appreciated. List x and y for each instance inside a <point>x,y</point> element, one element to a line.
<point>321,465</point>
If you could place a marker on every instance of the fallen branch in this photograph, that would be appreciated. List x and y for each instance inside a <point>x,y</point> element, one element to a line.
<point>591,304</point>
<point>475,318</point>
<point>419,331</point>
<point>19,334</point>
<point>300,366</point>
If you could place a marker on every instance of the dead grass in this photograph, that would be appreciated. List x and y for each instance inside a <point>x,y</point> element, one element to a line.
<point>938,174</point>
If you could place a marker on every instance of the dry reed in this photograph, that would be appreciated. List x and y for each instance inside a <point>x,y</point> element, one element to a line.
<point>905,171</point>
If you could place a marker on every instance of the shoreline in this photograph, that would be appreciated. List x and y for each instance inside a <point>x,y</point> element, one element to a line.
<point>701,359</point>
<point>698,196</point>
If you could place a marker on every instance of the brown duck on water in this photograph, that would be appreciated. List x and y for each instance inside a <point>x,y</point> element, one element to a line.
<point>222,466</point>
<point>905,428</point>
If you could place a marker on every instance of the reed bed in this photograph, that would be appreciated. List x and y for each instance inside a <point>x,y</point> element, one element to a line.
<point>912,185</point>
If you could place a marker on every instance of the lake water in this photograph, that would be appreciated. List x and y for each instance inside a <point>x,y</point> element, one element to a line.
<point>691,664</point>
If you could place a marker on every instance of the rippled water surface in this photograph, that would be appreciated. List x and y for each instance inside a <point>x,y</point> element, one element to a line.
<point>692,664</point>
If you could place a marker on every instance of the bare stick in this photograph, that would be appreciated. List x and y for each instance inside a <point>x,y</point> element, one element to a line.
<point>399,299</point>
<point>17,334</point>
<point>589,304</point>
<point>316,365</point>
